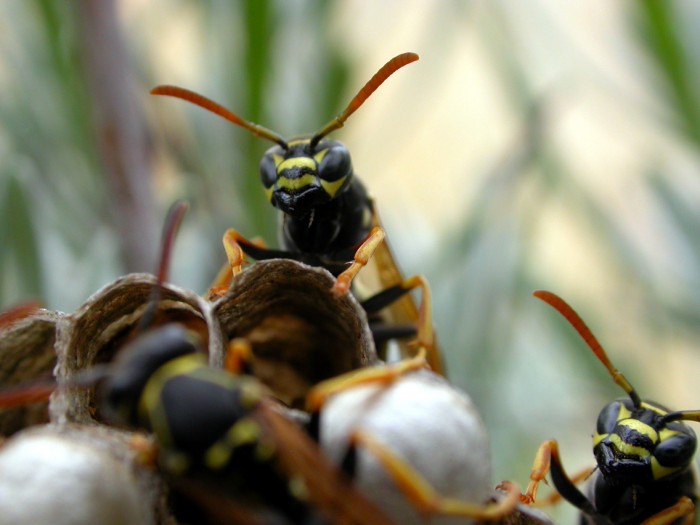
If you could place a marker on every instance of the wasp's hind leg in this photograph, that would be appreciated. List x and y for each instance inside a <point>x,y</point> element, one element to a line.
<point>383,374</point>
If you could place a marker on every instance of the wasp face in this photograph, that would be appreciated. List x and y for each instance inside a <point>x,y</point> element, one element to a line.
<point>298,179</point>
<point>635,445</point>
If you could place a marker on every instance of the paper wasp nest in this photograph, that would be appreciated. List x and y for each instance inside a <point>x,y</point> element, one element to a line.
<point>300,332</point>
<point>27,353</point>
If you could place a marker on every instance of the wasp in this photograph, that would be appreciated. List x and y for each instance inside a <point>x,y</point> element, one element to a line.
<point>643,452</point>
<point>220,432</point>
<point>326,211</point>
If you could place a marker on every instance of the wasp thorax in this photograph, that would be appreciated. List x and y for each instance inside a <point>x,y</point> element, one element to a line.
<point>299,179</point>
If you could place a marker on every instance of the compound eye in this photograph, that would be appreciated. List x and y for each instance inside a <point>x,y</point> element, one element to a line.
<point>676,451</point>
<point>335,163</point>
<point>268,166</point>
<point>609,416</point>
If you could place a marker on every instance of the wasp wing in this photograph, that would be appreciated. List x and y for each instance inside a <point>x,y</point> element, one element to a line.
<point>381,273</point>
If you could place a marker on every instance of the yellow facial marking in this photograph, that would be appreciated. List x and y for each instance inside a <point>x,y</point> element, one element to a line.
<point>641,428</point>
<point>319,156</point>
<point>277,159</point>
<point>628,449</point>
<point>297,142</point>
<point>298,163</point>
<point>667,433</point>
<point>624,412</point>
<point>331,188</point>
<point>295,184</point>
<point>659,471</point>
<point>653,408</point>
<point>597,438</point>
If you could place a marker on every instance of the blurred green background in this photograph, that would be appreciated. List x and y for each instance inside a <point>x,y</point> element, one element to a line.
<point>536,144</point>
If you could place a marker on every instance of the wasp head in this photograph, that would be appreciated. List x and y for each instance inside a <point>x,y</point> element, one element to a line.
<point>638,444</point>
<point>300,178</point>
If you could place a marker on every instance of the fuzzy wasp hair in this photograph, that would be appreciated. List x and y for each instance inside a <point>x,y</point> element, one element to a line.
<point>643,452</point>
<point>326,210</point>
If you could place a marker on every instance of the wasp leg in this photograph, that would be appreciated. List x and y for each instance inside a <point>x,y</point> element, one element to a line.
<point>145,450</point>
<point>547,452</point>
<point>424,497</point>
<point>683,508</point>
<point>234,253</point>
<point>566,486</point>
<point>540,468</point>
<point>238,357</point>
<point>385,374</point>
<point>554,497</point>
<point>362,256</point>
<point>221,283</point>
<point>425,336</point>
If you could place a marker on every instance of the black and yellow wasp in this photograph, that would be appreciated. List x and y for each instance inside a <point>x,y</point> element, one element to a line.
<point>326,211</point>
<point>644,455</point>
<point>220,434</point>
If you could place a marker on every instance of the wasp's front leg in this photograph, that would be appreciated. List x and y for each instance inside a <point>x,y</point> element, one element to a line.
<point>683,508</point>
<point>547,453</point>
<point>234,253</point>
<point>362,256</point>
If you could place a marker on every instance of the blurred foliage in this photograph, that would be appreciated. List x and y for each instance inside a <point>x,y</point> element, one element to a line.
<point>289,66</point>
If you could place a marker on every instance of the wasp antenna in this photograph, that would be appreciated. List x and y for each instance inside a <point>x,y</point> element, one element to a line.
<point>580,326</point>
<point>22,395</point>
<point>218,109</point>
<point>682,415</point>
<point>17,313</point>
<point>370,87</point>
<point>40,390</point>
<point>172,223</point>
